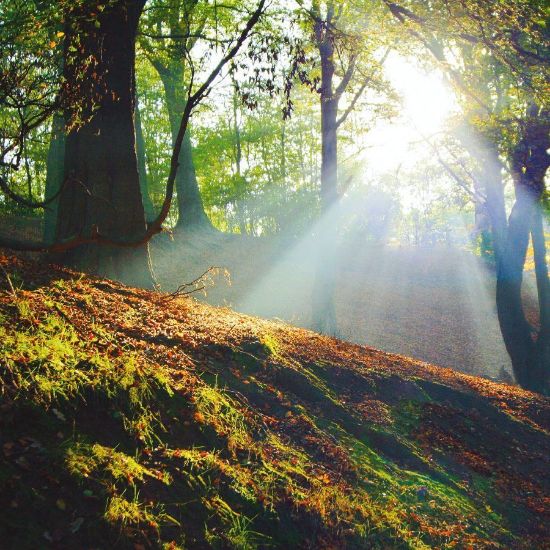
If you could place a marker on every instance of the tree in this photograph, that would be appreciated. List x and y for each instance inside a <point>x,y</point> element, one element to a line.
<point>100,201</point>
<point>54,175</point>
<point>30,42</point>
<point>142,167</point>
<point>100,153</point>
<point>168,35</point>
<point>508,117</point>
<point>339,43</point>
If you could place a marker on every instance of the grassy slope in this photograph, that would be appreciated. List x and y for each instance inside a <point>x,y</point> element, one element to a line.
<point>129,421</point>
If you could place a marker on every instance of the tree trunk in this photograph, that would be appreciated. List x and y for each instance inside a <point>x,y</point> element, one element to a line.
<point>323,310</point>
<point>516,331</point>
<point>142,168</point>
<point>543,291</point>
<point>54,175</point>
<point>100,154</point>
<point>527,347</point>
<point>494,191</point>
<point>191,212</point>
<point>528,351</point>
<point>491,184</point>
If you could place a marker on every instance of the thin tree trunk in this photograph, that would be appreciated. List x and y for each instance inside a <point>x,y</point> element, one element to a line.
<point>283,153</point>
<point>191,212</point>
<point>142,168</point>
<point>323,309</point>
<point>541,270</point>
<point>542,346</point>
<point>240,208</point>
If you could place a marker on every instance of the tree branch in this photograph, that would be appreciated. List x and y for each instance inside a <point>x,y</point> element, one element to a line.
<point>155,226</point>
<point>27,202</point>
<point>346,78</point>
<point>358,94</point>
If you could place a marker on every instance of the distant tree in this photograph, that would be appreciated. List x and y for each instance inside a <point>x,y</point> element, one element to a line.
<point>168,34</point>
<point>347,63</point>
<point>31,38</point>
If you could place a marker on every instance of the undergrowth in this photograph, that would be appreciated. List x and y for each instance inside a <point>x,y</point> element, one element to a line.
<point>109,442</point>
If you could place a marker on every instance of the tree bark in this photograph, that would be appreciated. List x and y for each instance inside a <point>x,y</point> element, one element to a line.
<point>323,309</point>
<point>527,347</point>
<point>100,154</point>
<point>148,207</point>
<point>516,331</point>
<point>191,212</point>
<point>55,165</point>
<point>543,291</point>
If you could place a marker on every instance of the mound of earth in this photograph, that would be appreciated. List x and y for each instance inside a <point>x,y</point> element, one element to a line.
<point>131,419</point>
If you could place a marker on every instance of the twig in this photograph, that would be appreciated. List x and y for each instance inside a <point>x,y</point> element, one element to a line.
<point>200,280</point>
<point>8,278</point>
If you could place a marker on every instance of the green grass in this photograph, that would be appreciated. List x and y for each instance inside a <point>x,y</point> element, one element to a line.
<point>104,446</point>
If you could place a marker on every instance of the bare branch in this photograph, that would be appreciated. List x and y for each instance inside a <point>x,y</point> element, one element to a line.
<point>347,77</point>
<point>27,202</point>
<point>359,92</point>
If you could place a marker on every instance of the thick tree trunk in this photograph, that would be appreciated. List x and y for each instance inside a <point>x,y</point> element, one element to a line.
<point>100,155</point>
<point>490,181</point>
<point>55,165</point>
<point>516,331</point>
<point>329,155</point>
<point>494,191</point>
<point>543,290</point>
<point>142,168</point>
<point>528,351</point>
<point>527,347</point>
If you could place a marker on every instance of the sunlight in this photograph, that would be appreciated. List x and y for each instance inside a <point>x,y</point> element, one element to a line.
<point>426,100</point>
<point>398,144</point>
<point>274,274</point>
<point>426,103</point>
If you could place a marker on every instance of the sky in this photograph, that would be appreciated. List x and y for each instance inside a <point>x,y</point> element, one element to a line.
<point>427,102</point>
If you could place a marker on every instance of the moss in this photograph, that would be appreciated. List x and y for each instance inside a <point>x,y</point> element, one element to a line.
<point>123,433</point>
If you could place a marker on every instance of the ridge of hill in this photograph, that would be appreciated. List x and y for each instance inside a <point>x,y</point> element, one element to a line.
<point>435,304</point>
<point>130,419</point>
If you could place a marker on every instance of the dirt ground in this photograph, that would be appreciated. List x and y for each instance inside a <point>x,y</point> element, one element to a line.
<point>433,304</point>
<point>204,413</point>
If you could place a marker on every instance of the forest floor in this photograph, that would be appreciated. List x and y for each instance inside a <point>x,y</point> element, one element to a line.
<point>131,420</point>
<point>434,304</point>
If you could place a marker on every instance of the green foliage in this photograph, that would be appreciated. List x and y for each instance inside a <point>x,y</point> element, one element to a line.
<point>48,363</point>
<point>268,453</point>
<point>216,408</point>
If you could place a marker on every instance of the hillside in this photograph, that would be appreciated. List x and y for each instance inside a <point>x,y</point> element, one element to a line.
<point>132,420</point>
<point>435,304</point>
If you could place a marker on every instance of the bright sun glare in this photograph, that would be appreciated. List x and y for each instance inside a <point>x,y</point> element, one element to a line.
<point>427,100</point>
<point>426,104</point>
